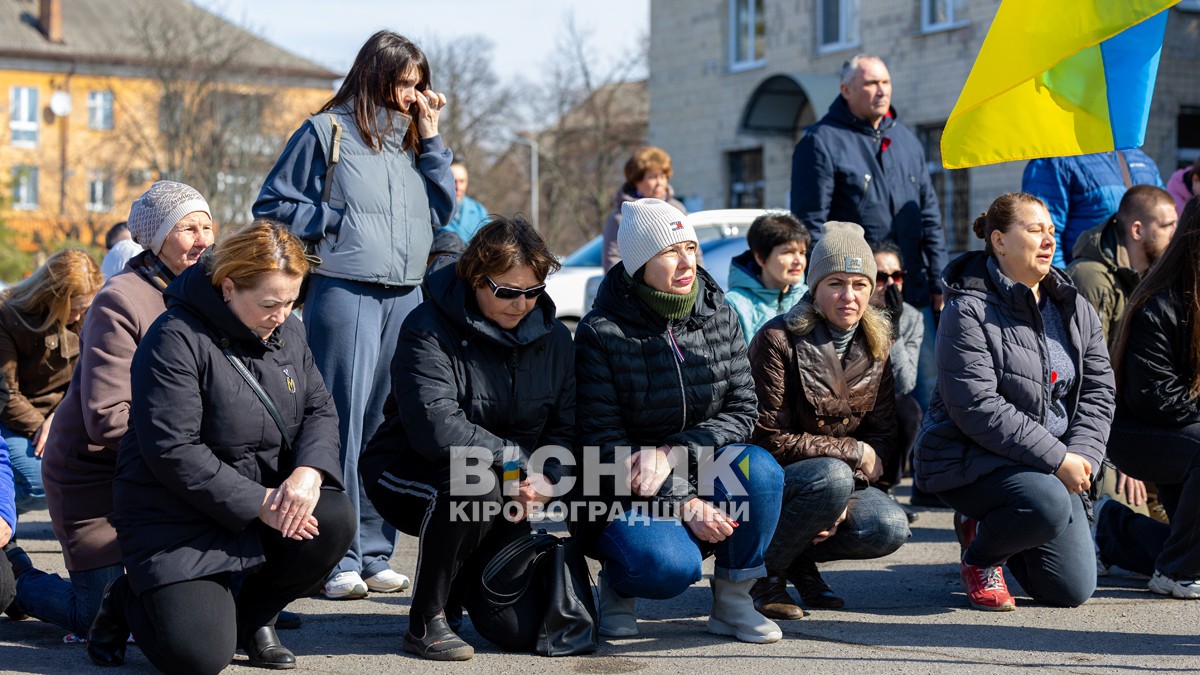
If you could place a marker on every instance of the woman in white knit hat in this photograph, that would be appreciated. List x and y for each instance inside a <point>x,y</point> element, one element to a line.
<point>827,411</point>
<point>661,370</point>
<point>174,224</point>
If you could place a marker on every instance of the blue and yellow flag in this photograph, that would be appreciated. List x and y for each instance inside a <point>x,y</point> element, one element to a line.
<point>1058,78</point>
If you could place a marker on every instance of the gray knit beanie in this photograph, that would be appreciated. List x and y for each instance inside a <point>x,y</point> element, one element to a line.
<point>154,213</point>
<point>842,248</point>
<point>647,227</point>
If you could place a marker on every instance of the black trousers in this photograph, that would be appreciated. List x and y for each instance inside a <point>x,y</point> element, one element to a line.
<point>193,626</point>
<point>416,498</point>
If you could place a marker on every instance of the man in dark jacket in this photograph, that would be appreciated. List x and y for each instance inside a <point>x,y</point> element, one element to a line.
<point>860,164</point>
<point>1110,258</point>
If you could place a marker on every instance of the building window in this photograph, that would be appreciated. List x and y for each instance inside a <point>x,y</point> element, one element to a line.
<point>23,116</point>
<point>1187,138</point>
<point>100,190</point>
<point>25,188</point>
<point>837,25</point>
<point>746,179</point>
<point>939,15</point>
<point>747,34</point>
<point>953,189</point>
<point>100,110</point>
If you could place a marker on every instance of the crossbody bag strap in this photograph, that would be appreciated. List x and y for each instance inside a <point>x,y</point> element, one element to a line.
<point>335,156</point>
<point>1124,165</point>
<point>260,392</point>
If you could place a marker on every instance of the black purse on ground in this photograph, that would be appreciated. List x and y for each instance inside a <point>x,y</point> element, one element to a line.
<point>535,594</point>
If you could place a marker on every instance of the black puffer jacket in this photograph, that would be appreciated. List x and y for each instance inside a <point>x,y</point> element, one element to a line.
<point>635,389</point>
<point>1157,367</point>
<point>989,408</point>
<point>201,449</point>
<point>460,380</point>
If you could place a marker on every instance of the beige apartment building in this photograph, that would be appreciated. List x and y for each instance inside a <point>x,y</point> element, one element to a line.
<point>733,84</point>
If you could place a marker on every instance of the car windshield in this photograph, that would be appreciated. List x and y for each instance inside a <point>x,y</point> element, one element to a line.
<point>588,255</point>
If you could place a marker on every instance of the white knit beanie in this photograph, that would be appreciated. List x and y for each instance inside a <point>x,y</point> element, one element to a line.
<point>154,213</point>
<point>647,227</point>
<point>842,248</point>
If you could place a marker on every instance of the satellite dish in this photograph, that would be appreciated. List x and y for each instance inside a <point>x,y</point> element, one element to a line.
<point>60,103</point>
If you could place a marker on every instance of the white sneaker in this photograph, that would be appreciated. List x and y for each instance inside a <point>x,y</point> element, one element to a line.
<point>387,581</point>
<point>345,586</point>
<point>1165,585</point>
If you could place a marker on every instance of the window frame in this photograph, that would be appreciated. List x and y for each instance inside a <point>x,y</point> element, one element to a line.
<point>25,188</point>
<point>953,8</point>
<point>845,41</point>
<point>29,96</point>
<point>749,185</point>
<point>100,110</point>
<point>737,62</point>
<point>103,178</point>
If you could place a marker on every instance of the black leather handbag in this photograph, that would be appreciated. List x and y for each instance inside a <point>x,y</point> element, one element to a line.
<point>535,594</point>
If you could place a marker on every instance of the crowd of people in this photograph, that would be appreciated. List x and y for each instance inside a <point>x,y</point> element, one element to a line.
<point>207,456</point>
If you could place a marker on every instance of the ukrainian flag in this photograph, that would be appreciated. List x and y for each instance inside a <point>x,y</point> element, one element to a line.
<point>1065,77</point>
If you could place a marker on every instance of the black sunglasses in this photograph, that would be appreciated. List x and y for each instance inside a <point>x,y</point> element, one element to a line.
<point>509,293</point>
<point>882,277</point>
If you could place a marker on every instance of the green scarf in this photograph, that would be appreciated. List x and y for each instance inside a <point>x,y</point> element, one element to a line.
<point>669,306</point>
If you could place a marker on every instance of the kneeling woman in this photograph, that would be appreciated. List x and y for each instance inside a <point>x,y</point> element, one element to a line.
<point>662,372</point>
<point>210,481</point>
<point>1018,421</point>
<point>482,367</point>
<point>827,411</point>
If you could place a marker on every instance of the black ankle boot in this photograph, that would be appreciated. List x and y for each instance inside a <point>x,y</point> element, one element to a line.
<point>107,638</point>
<point>813,590</point>
<point>436,642</point>
<point>265,651</point>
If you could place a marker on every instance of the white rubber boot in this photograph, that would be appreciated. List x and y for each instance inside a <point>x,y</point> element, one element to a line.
<point>618,617</point>
<point>733,614</point>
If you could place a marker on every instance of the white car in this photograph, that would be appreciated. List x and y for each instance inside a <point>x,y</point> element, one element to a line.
<point>566,286</point>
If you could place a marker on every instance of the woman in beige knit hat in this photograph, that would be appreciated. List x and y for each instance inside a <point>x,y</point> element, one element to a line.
<point>827,412</point>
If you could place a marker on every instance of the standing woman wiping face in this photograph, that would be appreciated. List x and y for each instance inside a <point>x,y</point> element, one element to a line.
<point>364,183</point>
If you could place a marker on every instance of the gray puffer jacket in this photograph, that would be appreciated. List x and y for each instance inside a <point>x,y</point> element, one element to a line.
<point>989,408</point>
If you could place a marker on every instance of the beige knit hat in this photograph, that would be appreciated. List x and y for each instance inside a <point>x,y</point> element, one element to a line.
<point>647,227</point>
<point>158,210</point>
<point>842,248</point>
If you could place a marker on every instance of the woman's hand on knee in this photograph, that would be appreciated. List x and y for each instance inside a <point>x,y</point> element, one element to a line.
<point>1133,489</point>
<point>832,529</point>
<point>649,469</point>
<point>1075,473</point>
<point>706,521</point>
<point>535,489</point>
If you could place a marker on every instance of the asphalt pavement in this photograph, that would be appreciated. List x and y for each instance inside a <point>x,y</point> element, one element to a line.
<point>905,613</point>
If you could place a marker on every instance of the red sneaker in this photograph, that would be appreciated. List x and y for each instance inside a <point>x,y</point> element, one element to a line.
<point>986,588</point>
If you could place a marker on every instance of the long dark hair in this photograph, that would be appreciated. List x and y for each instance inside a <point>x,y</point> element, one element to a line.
<point>1178,270</point>
<point>371,84</point>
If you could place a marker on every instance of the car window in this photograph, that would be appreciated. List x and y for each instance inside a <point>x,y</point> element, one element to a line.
<point>717,256</point>
<point>588,255</point>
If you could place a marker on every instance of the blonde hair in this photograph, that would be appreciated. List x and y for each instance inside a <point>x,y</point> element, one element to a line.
<point>48,291</point>
<point>257,250</point>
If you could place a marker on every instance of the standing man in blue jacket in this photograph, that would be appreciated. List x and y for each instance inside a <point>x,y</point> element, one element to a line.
<point>860,164</point>
<point>1084,191</point>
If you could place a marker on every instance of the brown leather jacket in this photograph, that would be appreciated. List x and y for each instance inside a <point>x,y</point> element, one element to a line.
<point>37,368</point>
<point>810,403</point>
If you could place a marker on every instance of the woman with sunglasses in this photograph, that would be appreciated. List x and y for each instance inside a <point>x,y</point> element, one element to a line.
<point>827,411</point>
<point>483,373</point>
<point>908,330</point>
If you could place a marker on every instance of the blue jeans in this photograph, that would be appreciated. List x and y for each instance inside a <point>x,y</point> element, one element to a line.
<point>352,330</point>
<point>69,604</point>
<point>27,471</point>
<point>1028,521</point>
<point>927,362</point>
<point>661,558</point>
<point>1128,539</point>
<point>815,492</point>
<point>1169,457</point>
